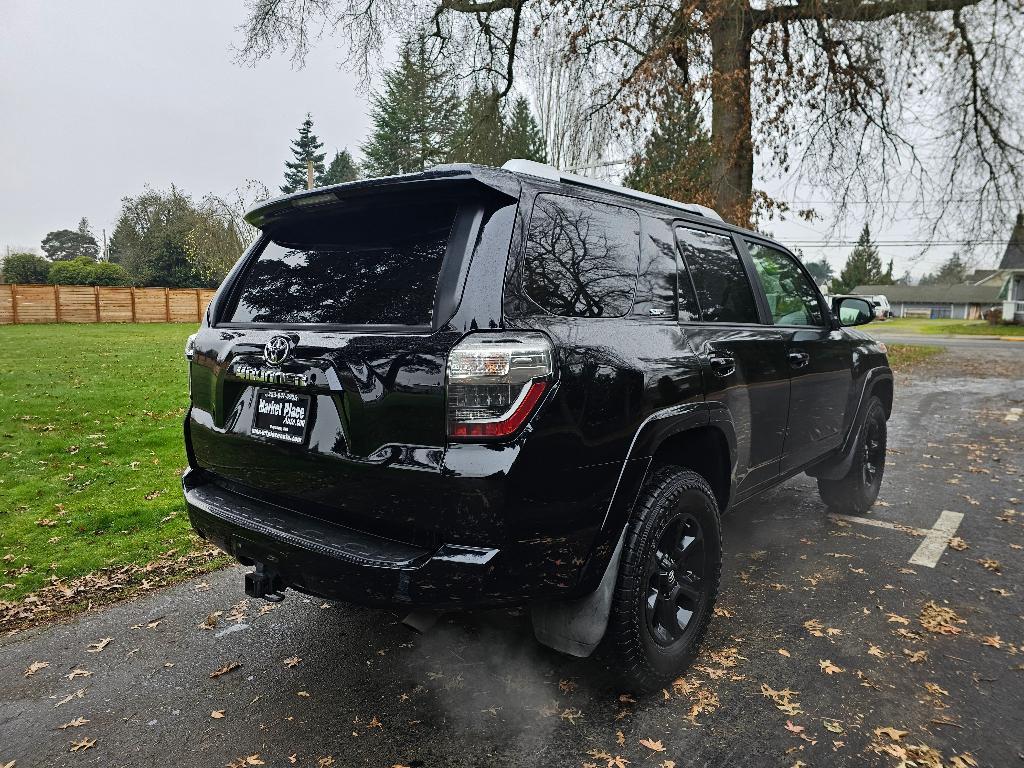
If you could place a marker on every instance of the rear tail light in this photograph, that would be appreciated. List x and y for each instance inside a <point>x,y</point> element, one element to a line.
<point>495,381</point>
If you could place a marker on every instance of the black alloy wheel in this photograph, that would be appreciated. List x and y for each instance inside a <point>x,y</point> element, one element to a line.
<point>675,583</point>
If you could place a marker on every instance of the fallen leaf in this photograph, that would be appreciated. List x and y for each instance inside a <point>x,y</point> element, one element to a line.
<point>35,666</point>
<point>794,728</point>
<point>99,645</point>
<point>915,657</point>
<point>620,738</point>
<point>77,672</point>
<point>76,695</point>
<point>668,764</point>
<point>83,744</point>
<point>992,640</point>
<point>654,746</point>
<point>783,699</point>
<point>210,621</point>
<point>895,618</point>
<point>940,619</point>
<point>831,725</point>
<point>966,760</point>
<point>292,661</point>
<point>303,694</point>
<point>892,733</point>
<point>958,544</point>
<point>76,723</point>
<point>990,565</point>
<point>828,667</point>
<point>935,690</point>
<point>784,652</point>
<point>223,670</point>
<point>874,650</point>
<point>217,714</point>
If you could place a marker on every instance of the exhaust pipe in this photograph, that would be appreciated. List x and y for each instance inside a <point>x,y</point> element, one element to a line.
<point>264,584</point>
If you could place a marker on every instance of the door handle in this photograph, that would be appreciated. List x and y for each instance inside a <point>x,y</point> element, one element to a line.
<point>722,366</point>
<point>798,359</point>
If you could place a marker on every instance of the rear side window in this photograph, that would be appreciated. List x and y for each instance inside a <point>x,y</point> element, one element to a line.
<point>723,290</point>
<point>365,265</point>
<point>582,257</point>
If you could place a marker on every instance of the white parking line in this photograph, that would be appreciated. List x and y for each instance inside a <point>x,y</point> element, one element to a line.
<point>935,538</point>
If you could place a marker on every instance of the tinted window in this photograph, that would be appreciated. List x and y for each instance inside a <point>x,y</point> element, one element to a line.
<point>791,297</point>
<point>582,257</point>
<point>660,293</point>
<point>360,266</point>
<point>723,291</point>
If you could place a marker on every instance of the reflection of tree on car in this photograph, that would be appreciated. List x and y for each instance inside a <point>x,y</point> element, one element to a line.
<point>575,264</point>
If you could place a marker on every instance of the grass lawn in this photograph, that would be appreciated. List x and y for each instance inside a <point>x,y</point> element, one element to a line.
<point>91,453</point>
<point>944,327</point>
<point>902,356</point>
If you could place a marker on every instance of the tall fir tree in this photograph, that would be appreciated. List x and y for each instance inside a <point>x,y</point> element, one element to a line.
<point>306,148</point>
<point>523,138</point>
<point>480,136</point>
<point>677,158</point>
<point>412,115</point>
<point>342,168</point>
<point>863,266</point>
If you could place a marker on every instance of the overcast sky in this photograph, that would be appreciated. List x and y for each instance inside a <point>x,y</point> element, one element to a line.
<point>97,99</point>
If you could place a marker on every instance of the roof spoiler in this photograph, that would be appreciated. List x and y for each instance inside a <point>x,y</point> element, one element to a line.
<point>549,172</point>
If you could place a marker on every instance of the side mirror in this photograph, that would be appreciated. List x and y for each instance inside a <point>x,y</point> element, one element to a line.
<point>853,311</point>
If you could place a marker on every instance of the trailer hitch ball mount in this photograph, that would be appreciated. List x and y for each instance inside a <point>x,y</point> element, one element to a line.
<point>265,584</point>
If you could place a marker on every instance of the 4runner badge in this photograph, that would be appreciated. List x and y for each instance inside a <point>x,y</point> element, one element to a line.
<point>276,350</point>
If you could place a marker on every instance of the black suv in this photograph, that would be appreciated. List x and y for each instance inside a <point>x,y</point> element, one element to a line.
<point>472,387</point>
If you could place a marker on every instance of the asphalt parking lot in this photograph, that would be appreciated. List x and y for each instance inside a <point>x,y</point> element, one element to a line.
<point>837,642</point>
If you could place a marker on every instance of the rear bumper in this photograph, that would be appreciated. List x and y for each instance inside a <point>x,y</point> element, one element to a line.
<point>335,562</point>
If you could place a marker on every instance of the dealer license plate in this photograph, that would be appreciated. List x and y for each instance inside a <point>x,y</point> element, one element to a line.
<point>281,415</point>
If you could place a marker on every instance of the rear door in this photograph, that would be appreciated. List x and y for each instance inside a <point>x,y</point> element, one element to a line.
<point>325,364</point>
<point>746,375</point>
<point>819,357</point>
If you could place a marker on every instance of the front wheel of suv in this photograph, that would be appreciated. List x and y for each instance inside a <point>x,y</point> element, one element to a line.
<point>668,578</point>
<point>856,493</point>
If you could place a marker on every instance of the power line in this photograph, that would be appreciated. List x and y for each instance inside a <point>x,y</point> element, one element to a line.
<point>894,243</point>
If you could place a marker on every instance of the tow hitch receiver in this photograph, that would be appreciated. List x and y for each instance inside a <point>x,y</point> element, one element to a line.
<point>265,584</point>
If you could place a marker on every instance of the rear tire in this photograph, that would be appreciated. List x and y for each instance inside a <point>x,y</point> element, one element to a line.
<point>668,579</point>
<point>856,492</point>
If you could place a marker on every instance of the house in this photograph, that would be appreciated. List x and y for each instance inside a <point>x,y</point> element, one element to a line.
<point>1009,277</point>
<point>959,302</point>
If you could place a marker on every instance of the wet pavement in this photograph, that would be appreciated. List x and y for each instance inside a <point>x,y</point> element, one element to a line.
<point>830,646</point>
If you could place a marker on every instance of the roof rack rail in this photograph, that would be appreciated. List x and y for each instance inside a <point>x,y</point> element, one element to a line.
<point>549,172</point>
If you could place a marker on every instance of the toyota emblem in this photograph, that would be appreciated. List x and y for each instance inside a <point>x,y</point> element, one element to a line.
<point>276,350</point>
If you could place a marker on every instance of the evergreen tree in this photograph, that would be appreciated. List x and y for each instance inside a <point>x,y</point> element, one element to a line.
<point>677,158</point>
<point>820,270</point>
<point>863,266</point>
<point>67,244</point>
<point>480,136</point>
<point>951,272</point>
<point>412,115</point>
<point>341,169</point>
<point>523,138</point>
<point>306,148</point>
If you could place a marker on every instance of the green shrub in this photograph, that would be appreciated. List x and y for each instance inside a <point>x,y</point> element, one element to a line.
<point>25,268</point>
<point>85,271</point>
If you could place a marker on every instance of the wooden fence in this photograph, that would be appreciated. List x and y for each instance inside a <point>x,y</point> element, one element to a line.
<point>101,304</point>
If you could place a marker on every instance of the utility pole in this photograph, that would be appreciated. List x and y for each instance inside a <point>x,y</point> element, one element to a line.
<point>106,256</point>
<point>309,174</point>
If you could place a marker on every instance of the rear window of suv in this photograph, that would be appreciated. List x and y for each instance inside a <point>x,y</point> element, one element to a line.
<point>364,265</point>
<point>582,257</point>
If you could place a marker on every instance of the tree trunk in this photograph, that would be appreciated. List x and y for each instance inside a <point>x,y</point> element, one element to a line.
<point>730,112</point>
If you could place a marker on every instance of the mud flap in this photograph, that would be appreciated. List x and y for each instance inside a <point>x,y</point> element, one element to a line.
<point>575,627</point>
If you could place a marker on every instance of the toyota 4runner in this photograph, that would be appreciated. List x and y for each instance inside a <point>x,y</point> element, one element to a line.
<point>473,387</point>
